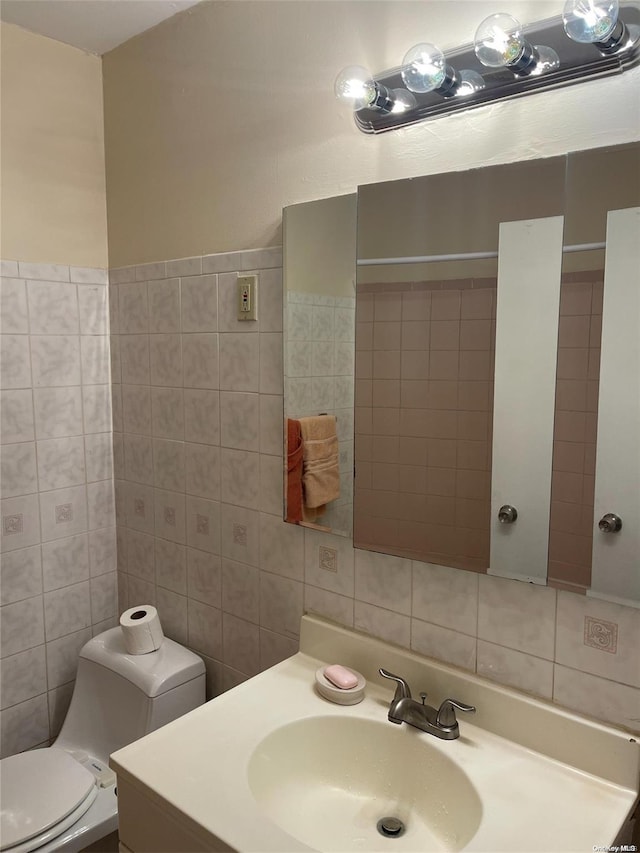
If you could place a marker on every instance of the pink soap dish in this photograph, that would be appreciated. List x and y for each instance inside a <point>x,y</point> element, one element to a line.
<point>341,696</point>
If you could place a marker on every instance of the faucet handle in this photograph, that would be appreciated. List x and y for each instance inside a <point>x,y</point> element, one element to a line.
<point>403,691</point>
<point>446,712</point>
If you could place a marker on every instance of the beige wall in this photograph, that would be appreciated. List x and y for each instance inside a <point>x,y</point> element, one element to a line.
<point>221,116</point>
<point>53,193</point>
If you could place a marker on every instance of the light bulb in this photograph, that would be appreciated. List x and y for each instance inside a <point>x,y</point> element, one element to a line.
<point>424,68</point>
<point>590,20</point>
<point>403,101</point>
<point>470,82</point>
<point>355,86</point>
<point>499,41</point>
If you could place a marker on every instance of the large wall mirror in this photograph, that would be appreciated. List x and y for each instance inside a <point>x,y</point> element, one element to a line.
<point>496,388</point>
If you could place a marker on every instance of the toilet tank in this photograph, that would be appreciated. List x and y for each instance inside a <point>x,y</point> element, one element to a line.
<point>119,697</point>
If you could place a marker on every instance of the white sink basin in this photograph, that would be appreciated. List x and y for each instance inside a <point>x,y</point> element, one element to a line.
<point>272,767</point>
<point>327,781</point>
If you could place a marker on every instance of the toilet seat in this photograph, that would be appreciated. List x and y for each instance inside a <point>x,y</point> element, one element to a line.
<point>43,793</point>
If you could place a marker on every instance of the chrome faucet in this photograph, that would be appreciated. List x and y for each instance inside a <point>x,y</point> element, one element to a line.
<point>403,709</point>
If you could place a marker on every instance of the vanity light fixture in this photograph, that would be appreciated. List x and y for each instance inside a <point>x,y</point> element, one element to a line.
<point>592,38</point>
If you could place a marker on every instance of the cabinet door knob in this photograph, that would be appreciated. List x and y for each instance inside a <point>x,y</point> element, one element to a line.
<point>507,514</point>
<point>610,523</point>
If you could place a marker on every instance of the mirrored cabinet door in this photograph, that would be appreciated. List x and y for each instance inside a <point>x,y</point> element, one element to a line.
<point>529,273</point>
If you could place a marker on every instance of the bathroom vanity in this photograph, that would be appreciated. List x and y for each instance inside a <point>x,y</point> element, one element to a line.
<point>273,766</point>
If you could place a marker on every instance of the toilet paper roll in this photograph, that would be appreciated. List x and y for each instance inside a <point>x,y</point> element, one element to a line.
<point>141,629</point>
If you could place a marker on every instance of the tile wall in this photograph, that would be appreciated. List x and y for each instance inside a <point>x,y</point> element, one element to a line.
<point>198,456</point>
<point>58,535</point>
<point>319,378</point>
<point>424,398</point>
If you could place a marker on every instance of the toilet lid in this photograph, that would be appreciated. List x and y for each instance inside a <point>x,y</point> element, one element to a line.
<point>39,789</point>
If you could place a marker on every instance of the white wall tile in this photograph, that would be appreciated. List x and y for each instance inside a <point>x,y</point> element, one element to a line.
<point>185,266</point>
<point>239,362</point>
<point>241,642</point>
<point>201,360</point>
<point>44,272</point>
<point>393,627</point>
<point>506,666</point>
<point>204,581</point>
<point>527,615</point>
<point>138,458</point>
<point>443,644</point>
<point>104,598</point>
<point>136,410</point>
<point>65,561</point>
<point>280,604</point>
<point>140,507</point>
<point>241,590</point>
<point>62,657</point>
<point>58,412</point>
<point>101,504</point>
<point>271,473</point>
<point>135,359</point>
<point>53,308</point>
<point>202,416</point>
<point>164,305</point>
<point>94,352</point>
<point>597,697</point>
<point>55,360</point>
<point>172,609</point>
<point>133,309</point>
<point>271,366</point>
<point>445,596</point>
<point>275,648</point>
<point>89,275</point>
<point>9,269</point>
<point>203,524</point>
<point>165,352</point>
<point>203,471</point>
<point>67,610</point>
<point>271,424</point>
<point>22,626</point>
<point>96,405</point>
<point>240,534</point>
<point>59,700</point>
<point>281,547</point>
<point>339,608</point>
<point>240,477</point>
<point>171,566</point>
<point>199,303</point>
<point>98,449</point>
<point>18,470</point>
<point>598,637</point>
<point>169,464</point>
<point>15,363</point>
<point>141,555</point>
<point>21,574</point>
<point>205,629</point>
<point>20,522</point>
<point>147,272</point>
<point>24,726</point>
<point>170,516</point>
<point>383,580</point>
<point>341,580</point>
<point>23,676</point>
<point>14,319</point>
<point>61,462</point>
<point>239,420</point>
<point>270,300</point>
<point>16,411</point>
<point>167,413</point>
<point>93,310</point>
<point>102,551</point>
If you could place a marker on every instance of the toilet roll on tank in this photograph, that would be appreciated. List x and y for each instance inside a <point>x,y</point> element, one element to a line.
<point>141,629</point>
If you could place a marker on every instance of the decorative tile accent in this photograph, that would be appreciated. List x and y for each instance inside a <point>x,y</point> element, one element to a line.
<point>601,635</point>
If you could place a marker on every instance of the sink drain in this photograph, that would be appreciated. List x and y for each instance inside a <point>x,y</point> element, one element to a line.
<point>390,827</point>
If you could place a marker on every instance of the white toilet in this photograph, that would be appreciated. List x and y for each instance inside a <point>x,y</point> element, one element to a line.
<point>64,797</point>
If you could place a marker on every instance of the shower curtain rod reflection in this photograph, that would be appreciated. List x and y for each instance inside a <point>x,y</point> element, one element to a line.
<point>462,256</point>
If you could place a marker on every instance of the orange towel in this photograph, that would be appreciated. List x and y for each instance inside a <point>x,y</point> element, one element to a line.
<point>294,471</point>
